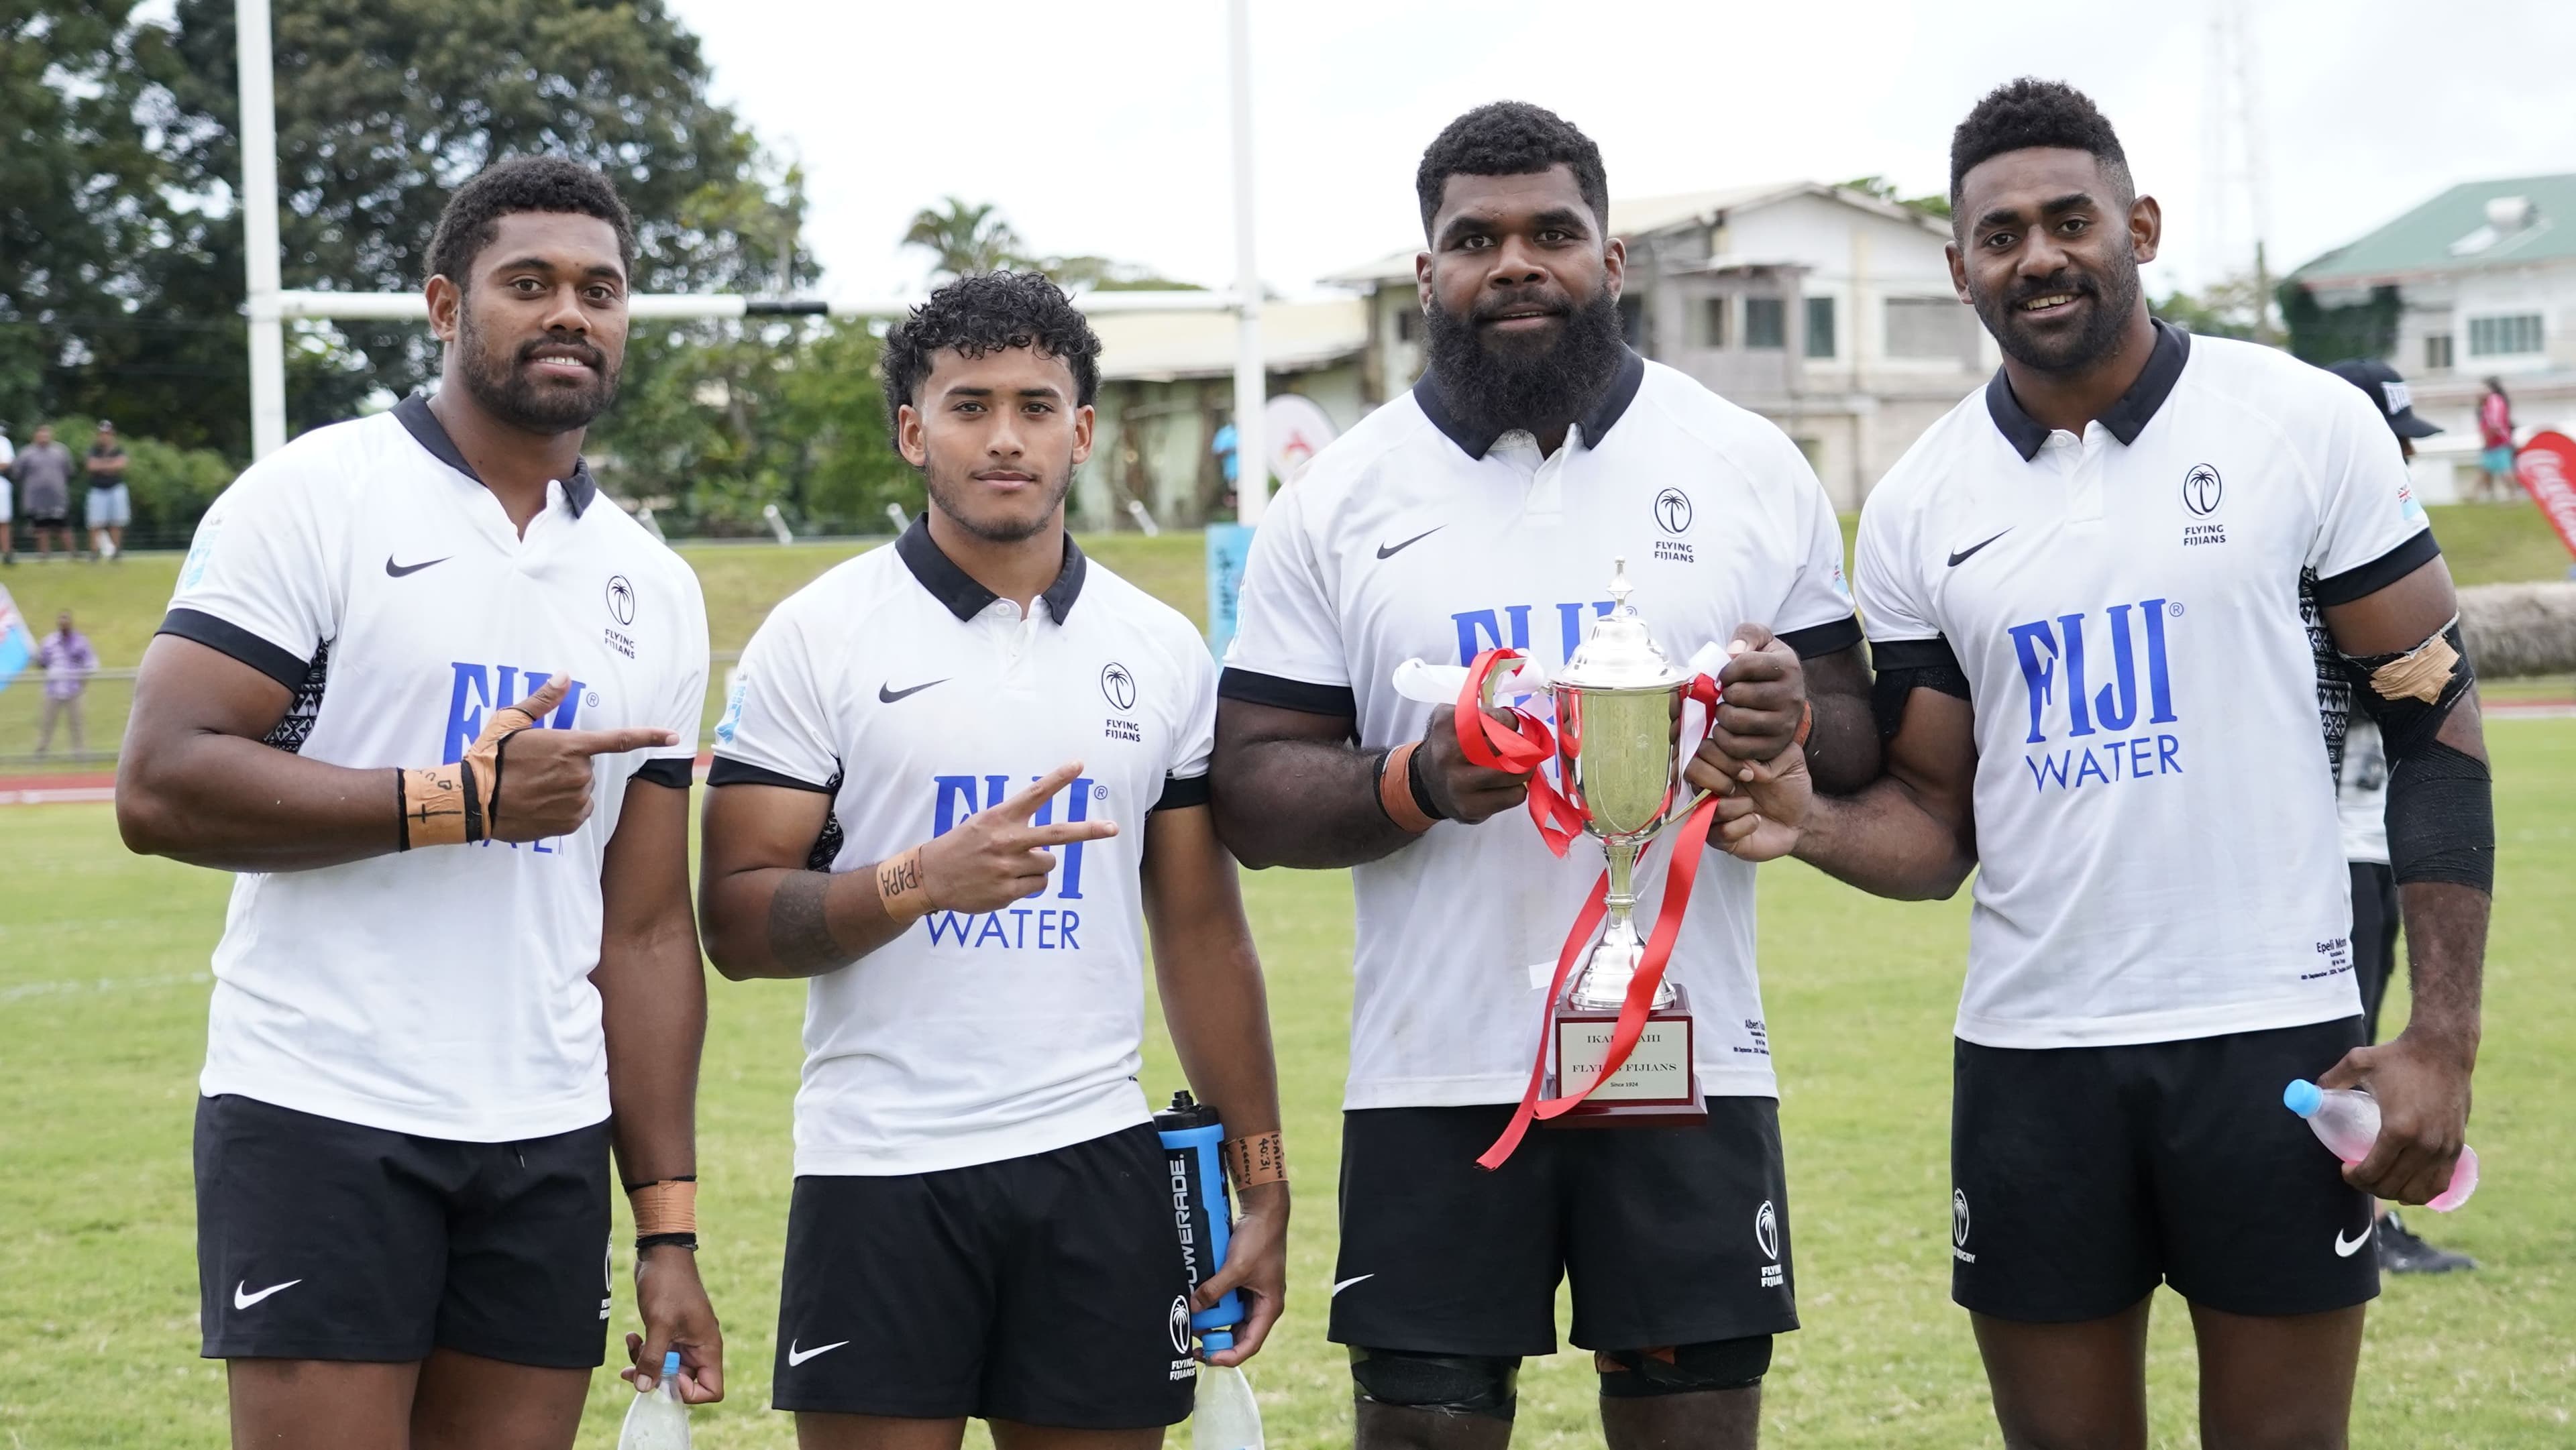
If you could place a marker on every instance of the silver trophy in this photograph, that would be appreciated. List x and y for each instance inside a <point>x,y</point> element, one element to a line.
<point>1618,712</point>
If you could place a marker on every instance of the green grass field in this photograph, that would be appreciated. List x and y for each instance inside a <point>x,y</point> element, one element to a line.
<point>102,1012</point>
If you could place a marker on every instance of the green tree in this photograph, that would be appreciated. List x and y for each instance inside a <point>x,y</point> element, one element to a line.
<point>2230,307</point>
<point>963,239</point>
<point>385,106</point>
<point>80,196</point>
<point>1937,204</point>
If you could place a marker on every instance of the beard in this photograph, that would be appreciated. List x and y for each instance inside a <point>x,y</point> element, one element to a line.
<point>1497,384</point>
<point>503,388</point>
<point>998,522</point>
<point>2114,297</point>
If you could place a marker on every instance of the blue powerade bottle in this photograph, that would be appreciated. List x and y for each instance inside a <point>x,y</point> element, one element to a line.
<point>1201,1210</point>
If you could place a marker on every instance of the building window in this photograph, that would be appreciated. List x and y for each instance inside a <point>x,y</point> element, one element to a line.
<point>1820,327</point>
<point>1766,323</point>
<point>1408,323</point>
<point>1931,328</point>
<point>2504,336</point>
<point>1712,322</point>
<point>2437,352</point>
<point>1632,320</point>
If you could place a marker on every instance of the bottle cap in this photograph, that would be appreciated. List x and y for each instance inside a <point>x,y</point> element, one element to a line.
<point>1217,1339</point>
<point>2302,1097</point>
<point>670,1363</point>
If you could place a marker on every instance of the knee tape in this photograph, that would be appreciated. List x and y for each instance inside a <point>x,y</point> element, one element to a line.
<point>1682,1369</point>
<point>1445,1384</point>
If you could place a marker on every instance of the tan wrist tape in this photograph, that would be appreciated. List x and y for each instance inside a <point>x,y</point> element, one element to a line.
<point>901,888</point>
<point>1254,1159</point>
<point>1806,723</point>
<point>1395,790</point>
<point>436,807</point>
<point>667,1207</point>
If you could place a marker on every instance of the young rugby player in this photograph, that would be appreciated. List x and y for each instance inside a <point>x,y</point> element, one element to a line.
<point>957,783</point>
<point>2090,590</point>
<point>435,700</point>
<point>1484,508</point>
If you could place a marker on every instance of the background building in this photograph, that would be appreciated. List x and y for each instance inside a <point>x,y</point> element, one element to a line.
<point>2479,282</point>
<point>1167,386</point>
<point>1825,309</point>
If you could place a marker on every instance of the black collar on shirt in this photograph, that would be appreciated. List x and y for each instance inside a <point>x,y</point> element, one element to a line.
<point>958,590</point>
<point>425,430</point>
<point>2125,419</point>
<point>1597,423</point>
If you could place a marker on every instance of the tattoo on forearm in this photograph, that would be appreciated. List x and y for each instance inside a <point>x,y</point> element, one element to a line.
<point>800,939</point>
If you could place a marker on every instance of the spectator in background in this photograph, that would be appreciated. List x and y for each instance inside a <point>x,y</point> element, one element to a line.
<point>44,475</point>
<point>8,528</point>
<point>2495,437</point>
<point>68,662</point>
<point>109,506</point>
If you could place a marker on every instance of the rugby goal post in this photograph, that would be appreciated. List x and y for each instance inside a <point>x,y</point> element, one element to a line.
<point>271,306</point>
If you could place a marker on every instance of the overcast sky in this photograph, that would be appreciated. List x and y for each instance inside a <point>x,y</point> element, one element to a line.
<point>1100,126</point>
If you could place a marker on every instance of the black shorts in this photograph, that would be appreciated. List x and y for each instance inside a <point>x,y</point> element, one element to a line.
<point>1047,1290</point>
<point>1670,1235</point>
<point>320,1239</point>
<point>2374,938</point>
<point>2083,1176</point>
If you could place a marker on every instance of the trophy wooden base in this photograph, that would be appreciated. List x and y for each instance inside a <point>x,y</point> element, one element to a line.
<point>1658,1086</point>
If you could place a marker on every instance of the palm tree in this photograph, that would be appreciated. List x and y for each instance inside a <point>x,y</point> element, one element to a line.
<point>966,239</point>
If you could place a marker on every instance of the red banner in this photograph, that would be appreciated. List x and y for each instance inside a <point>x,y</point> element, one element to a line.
<point>2547,467</point>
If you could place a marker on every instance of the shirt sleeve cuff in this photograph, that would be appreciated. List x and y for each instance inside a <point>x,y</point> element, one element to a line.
<point>674,771</point>
<point>228,638</point>
<point>1254,688</point>
<point>728,771</point>
<point>2379,573</point>
<point>1832,637</point>
<point>1182,792</point>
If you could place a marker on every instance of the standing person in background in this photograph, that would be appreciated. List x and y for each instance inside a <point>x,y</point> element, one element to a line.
<point>2495,440</point>
<point>108,506</point>
<point>68,662</point>
<point>2361,795</point>
<point>44,474</point>
<point>8,529</point>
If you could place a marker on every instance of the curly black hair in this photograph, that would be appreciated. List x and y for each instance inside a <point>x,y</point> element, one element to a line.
<point>520,184</point>
<point>986,313</point>
<point>2031,112</point>
<point>1510,138</point>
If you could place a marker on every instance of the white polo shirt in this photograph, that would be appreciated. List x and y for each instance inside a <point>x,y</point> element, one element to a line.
<point>2155,790</point>
<point>1412,537</point>
<point>443,991</point>
<point>909,694</point>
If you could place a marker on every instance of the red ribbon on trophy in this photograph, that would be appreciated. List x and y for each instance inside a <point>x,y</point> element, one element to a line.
<point>1496,746</point>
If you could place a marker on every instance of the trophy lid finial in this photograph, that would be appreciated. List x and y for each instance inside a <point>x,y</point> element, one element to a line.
<point>1620,653</point>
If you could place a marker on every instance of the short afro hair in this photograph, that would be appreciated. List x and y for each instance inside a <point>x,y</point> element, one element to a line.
<point>987,312</point>
<point>1510,138</point>
<point>2030,112</point>
<point>523,184</point>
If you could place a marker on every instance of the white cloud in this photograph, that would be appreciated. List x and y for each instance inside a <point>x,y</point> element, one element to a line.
<point>1101,127</point>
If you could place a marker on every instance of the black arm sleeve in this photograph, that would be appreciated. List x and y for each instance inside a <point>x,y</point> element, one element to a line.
<point>1906,665</point>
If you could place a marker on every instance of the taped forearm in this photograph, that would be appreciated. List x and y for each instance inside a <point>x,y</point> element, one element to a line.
<point>2441,818</point>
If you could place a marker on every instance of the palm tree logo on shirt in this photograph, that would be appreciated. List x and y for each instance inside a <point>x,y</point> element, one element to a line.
<point>1119,686</point>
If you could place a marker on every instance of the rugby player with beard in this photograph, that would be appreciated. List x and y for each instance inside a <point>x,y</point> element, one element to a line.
<point>2120,603</point>
<point>1485,508</point>
<point>434,701</point>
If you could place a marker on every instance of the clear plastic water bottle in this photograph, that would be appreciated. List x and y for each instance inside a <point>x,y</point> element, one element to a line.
<point>2346,1120</point>
<point>657,1420</point>
<point>1225,1417</point>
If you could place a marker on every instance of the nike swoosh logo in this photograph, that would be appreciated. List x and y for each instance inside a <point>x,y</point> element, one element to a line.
<point>2345,1250</point>
<point>887,695</point>
<point>1346,1283</point>
<point>396,571</point>
<point>797,1356</point>
<point>1389,551</point>
<point>1963,555</point>
<point>244,1301</point>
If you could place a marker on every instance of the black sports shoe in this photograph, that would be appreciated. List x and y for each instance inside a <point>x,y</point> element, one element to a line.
<point>2401,1252</point>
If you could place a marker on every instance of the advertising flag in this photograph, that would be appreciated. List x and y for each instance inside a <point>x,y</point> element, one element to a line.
<point>17,646</point>
<point>2547,467</point>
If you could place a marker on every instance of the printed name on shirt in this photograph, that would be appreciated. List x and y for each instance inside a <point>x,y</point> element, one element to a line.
<point>2059,658</point>
<point>1017,928</point>
<point>2337,952</point>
